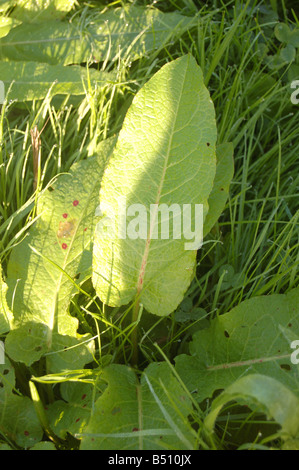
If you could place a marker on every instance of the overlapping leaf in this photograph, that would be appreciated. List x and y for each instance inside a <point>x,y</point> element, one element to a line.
<point>18,420</point>
<point>72,414</point>
<point>220,191</point>
<point>165,154</point>
<point>32,80</point>
<point>149,415</point>
<point>114,32</point>
<point>44,269</point>
<point>266,393</point>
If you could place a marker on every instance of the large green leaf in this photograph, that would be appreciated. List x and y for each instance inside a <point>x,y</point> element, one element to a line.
<point>276,400</point>
<point>146,415</point>
<point>45,268</point>
<point>32,80</point>
<point>131,31</point>
<point>165,154</point>
<point>254,337</point>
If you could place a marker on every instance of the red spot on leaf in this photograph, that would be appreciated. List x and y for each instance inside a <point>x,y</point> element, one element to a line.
<point>85,229</point>
<point>75,202</point>
<point>78,419</point>
<point>135,429</point>
<point>26,433</point>
<point>83,397</point>
<point>64,216</point>
<point>64,246</point>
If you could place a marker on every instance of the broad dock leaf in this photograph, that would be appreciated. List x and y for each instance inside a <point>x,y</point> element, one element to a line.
<point>44,269</point>
<point>32,80</point>
<point>165,154</point>
<point>251,338</point>
<point>130,32</point>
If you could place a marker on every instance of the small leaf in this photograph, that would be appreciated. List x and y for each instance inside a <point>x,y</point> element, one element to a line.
<point>288,53</point>
<point>282,32</point>
<point>6,24</point>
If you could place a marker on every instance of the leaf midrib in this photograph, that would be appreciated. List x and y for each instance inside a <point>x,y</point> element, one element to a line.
<point>142,269</point>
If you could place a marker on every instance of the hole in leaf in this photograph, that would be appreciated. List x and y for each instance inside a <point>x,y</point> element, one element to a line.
<point>286,367</point>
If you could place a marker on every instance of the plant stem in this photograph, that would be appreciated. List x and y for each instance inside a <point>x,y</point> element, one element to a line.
<point>134,334</point>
